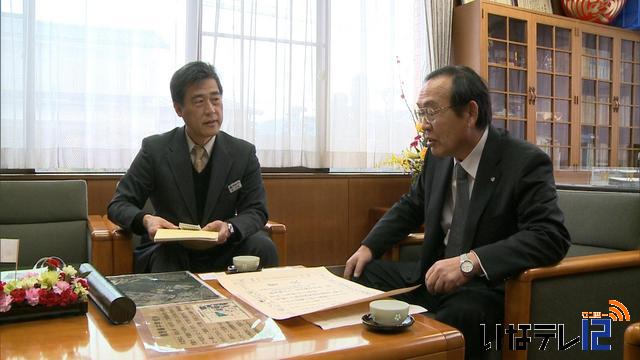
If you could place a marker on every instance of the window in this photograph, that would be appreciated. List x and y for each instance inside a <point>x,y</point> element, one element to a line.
<point>317,83</point>
<point>310,82</point>
<point>84,81</point>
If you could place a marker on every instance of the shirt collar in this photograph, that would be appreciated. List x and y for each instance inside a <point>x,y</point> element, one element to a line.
<point>208,146</point>
<point>471,162</point>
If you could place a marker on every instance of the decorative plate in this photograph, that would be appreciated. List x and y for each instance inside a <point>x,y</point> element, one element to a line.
<point>599,11</point>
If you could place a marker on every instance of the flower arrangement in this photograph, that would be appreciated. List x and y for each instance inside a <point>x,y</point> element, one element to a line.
<point>55,284</point>
<point>411,159</point>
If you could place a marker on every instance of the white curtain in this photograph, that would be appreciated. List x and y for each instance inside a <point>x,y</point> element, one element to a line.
<point>317,83</point>
<point>83,81</point>
<point>377,49</point>
<point>439,21</point>
<point>313,83</point>
<point>267,55</point>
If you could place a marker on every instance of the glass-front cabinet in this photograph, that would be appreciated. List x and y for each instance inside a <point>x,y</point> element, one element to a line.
<point>596,100</point>
<point>571,87</point>
<point>507,66</point>
<point>552,93</point>
<point>628,104</point>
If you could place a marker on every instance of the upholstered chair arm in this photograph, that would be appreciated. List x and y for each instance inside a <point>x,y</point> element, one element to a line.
<point>278,234</point>
<point>122,248</point>
<point>101,245</point>
<point>561,291</point>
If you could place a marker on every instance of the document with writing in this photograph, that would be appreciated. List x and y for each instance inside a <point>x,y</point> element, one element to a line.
<point>285,293</point>
<point>222,322</point>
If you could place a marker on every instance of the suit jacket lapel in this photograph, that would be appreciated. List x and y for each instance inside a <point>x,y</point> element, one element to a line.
<point>220,166</point>
<point>439,189</point>
<point>180,163</point>
<point>487,178</point>
<point>436,189</point>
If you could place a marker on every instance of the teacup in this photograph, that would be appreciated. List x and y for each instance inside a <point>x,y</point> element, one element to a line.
<point>388,312</point>
<point>246,263</point>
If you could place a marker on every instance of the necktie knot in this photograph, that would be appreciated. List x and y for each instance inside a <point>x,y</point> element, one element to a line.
<point>199,157</point>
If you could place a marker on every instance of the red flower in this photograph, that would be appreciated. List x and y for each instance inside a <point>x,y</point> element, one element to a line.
<point>53,263</point>
<point>2,286</point>
<point>48,298</point>
<point>18,295</point>
<point>83,282</point>
<point>65,298</point>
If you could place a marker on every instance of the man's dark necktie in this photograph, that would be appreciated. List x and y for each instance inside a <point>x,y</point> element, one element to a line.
<point>456,232</point>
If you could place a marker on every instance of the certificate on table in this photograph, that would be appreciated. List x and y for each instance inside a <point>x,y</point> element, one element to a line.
<point>285,293</point>
<point>222,322</point>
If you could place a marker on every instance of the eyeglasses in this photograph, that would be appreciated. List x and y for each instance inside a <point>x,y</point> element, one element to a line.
<point>429,114</point>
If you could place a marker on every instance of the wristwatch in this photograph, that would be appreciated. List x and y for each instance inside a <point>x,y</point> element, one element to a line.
<point>230,228</point>
<point>466,265</point>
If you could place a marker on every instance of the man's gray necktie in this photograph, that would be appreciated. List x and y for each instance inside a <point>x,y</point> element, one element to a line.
<point>456,232</point>
<point>199,154</point>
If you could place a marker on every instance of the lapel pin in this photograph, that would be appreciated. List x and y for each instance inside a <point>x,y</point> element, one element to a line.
<point>493,178</point>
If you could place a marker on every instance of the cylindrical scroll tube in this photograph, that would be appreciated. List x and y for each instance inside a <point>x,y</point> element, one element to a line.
<point>118,308</point>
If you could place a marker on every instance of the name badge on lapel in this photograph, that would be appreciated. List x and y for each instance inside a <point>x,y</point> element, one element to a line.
<point>234,186</point>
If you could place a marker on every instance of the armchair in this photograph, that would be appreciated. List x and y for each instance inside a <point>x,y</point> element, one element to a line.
<point>603,263</point>
<point>559,294</point>
<point>123,244</point>
<point>405,249</point>
<point>50,219</point>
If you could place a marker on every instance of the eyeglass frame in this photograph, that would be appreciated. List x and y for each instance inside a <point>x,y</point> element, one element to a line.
<point>423,116</point>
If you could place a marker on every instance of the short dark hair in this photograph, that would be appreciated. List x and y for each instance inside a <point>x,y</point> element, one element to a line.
<point>467,85</point>
<point>188,75</point>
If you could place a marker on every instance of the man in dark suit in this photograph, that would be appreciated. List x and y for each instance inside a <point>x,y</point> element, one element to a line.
<point>489,206</point>
<point>195,174</point>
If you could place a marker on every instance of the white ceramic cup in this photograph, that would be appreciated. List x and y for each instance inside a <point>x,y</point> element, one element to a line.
<point>246,263</point>
<point>388,312</point>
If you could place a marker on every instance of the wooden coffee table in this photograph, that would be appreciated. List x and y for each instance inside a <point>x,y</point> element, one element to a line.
<point>93,336</point>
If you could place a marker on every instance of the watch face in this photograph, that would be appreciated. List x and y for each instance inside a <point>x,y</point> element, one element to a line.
<point>466,266</point>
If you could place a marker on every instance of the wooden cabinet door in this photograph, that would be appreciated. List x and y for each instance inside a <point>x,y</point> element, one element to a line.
<point>595,98</point>
<point>552,115</point>
<point>508,67</point>
<point>627,103</point>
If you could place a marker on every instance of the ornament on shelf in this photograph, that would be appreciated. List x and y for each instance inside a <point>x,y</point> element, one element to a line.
<point>599,11</point>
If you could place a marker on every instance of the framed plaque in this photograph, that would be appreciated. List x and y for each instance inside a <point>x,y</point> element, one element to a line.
<point>537,5</point>
<point>506,2</point>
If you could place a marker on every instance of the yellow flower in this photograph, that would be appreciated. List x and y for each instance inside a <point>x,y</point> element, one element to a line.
<point>48,279</point>
<point>69,270</point>
<point>411,159</point>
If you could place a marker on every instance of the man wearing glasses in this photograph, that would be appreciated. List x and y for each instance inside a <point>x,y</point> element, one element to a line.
<point>488,204</point>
